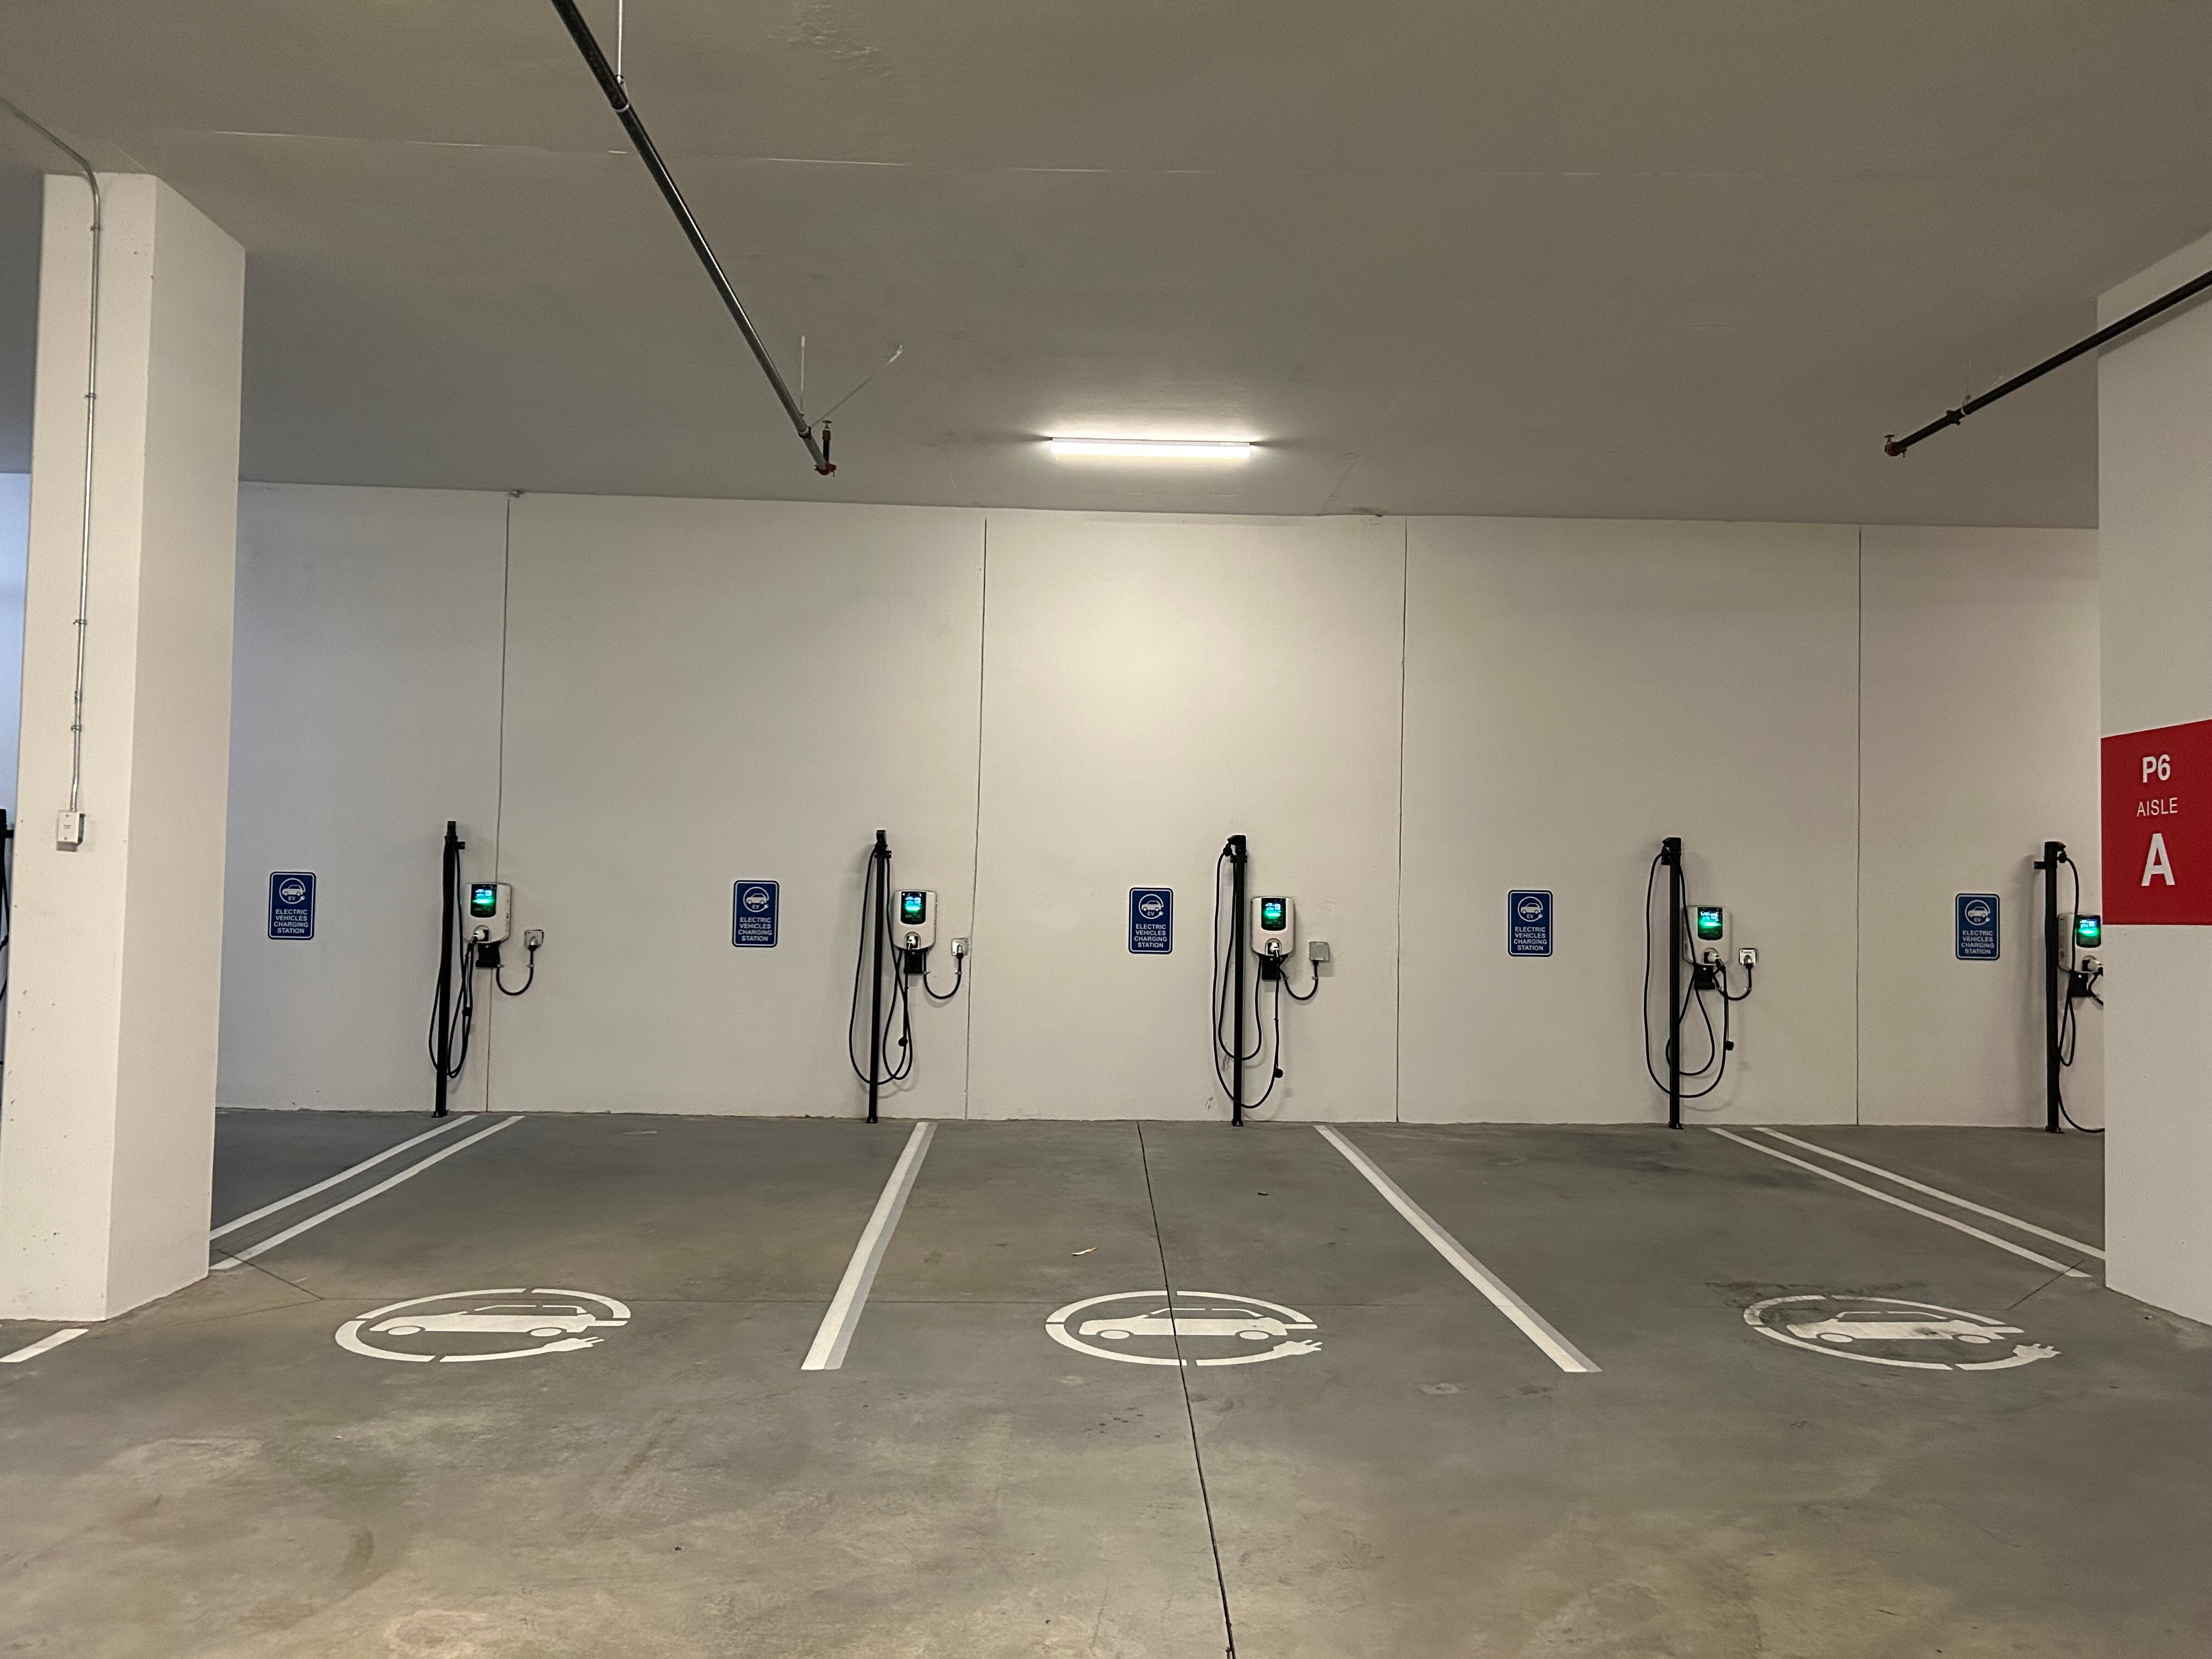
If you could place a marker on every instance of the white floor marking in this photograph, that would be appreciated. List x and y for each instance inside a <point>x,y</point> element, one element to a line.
<point>289,1199</point>
<point>556,1326</point>
<point>46,1344</point>
<point>1534,1325</point>
<point>1856,1324</point>
<point>1199,1316</point>
<point>1891,1198</point>
<point>1936,1192</point>
<point>237,1257</point>
<point>838,1325</point>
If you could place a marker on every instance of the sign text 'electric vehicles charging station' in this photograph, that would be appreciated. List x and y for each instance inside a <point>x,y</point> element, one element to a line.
<point>1528,924</point>
<point>1152,921</point>
<point>2158,826</point>
<point>1977,920</point>
<point>291,905</point>
<point>753,908</point>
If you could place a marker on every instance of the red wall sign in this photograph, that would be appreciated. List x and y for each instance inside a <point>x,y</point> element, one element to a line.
<point>2158,825</point>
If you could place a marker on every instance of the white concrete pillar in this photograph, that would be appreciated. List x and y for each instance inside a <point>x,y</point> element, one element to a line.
<point>107,1117</point>
<point>2155,538</point>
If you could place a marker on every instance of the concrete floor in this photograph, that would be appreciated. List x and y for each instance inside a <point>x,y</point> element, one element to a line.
<point>217,1475</point>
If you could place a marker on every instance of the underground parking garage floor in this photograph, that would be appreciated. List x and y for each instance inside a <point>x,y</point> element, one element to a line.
<point>616,1386</point>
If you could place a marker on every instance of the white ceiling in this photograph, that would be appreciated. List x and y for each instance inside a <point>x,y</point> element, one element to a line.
<point>1607,258</point>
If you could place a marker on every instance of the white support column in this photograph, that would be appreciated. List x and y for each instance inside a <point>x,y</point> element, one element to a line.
<point>107,1119</point>
<point>2154,553</point>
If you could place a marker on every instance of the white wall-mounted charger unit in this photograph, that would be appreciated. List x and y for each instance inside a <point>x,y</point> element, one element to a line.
<point>1709,932</point>
<point>490,912</point>
<point>913,919</point>
<point>1274,925</point>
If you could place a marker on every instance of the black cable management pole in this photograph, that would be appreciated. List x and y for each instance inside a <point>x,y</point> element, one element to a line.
<point>618,100</point>
<point>1894,445</point>
<point>1236,852</point>
<point>2054,855</point>
<point>877,922</point>
<point>441,1037</point>
<point>1670,854</point>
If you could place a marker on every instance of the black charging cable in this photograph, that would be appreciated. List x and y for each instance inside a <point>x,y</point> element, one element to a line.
<point>898,1005</point>
<point>959,970</point>
<point>529,979</point>
<point>458,1015</point>
<point>1312,990</point>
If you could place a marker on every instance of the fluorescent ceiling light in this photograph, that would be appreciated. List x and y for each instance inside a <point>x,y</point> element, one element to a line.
<point>1153,449</point>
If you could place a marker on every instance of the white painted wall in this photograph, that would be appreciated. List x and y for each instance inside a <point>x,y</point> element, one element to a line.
<point>1153,685</point>
<point>702,692</point>
<point>1978,737</point>
<point>1574,692</point>
<point>15,552</point>
<point>2154,415</point>
<point>365,714</point>
<point>697,692</point>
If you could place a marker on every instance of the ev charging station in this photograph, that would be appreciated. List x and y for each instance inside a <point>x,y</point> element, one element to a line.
<point>898,930</point>
<point>2070,977</point>
<point>473,929</point>
<point>1266,925</point>
<point>1697,943</point>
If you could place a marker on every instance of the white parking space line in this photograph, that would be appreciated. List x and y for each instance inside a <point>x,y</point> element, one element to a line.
<point>1934,1192</point>
<point>46,1344</point>
<point>1891,1198</point>
<point>237,1257</point>
<point>289,1199</point>
<point>828,1353</point>
<point>1534,1325</point>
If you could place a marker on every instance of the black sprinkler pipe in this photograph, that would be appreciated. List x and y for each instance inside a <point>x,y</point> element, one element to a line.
<point>1894,445</point>
<point>618,100</point>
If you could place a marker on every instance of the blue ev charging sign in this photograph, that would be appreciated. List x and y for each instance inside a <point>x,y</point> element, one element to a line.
<point>1529,923</point>
<point>1152,921</point>
<point>291,905</point>
<point>753,908</point>
<point>1977,916</point>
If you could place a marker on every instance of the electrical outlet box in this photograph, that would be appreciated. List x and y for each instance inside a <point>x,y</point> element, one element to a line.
<point>69,831</point>
<point>1274,925</point>
<point>1317,952</point>
<point>1748,956</point>
<point>490,916</point>
<point>913,919</point>
<point>959,947</point>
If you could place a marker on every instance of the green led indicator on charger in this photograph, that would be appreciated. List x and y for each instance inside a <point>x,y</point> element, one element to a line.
<point>2088,931</point>
<point>1711,925</point>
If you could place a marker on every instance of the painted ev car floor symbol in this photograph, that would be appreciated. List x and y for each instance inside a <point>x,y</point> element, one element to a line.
<point>1184,1327</point>
<point>467,1326</point>
<point>1878,1330</point>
